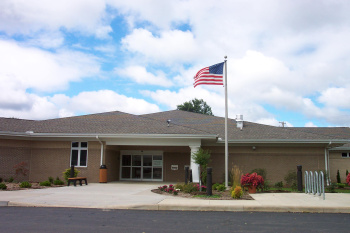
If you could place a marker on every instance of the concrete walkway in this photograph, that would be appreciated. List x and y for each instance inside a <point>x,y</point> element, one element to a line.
<point>123,195</point>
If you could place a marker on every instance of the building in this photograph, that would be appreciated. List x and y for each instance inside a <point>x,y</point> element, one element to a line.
<point>158,146</point>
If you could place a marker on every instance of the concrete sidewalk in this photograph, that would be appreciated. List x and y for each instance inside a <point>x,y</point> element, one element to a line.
<point>123,195</point>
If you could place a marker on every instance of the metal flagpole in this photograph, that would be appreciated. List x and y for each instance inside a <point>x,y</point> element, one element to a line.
<point>226,137</point>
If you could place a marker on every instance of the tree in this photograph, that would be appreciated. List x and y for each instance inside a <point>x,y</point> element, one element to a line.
<point>197,106</point>
<point>202,158</point>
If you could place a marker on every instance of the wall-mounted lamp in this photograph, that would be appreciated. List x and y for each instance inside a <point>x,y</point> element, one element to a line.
<point>168,121</point>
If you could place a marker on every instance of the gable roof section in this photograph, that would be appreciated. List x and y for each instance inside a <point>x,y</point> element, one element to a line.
<point>250,132</point>
<point>102,123</point>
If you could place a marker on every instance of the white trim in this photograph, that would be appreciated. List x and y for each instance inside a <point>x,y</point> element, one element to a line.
<point>79,149</point>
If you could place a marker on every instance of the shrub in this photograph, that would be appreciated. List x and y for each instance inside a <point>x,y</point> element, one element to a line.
<point>341,185</point>
<point>10,180</point>
<point>237,192</point>
<point>331,187</point>
<point>235,176</point>
<point>66,173</point>
<point>179,186</point>
<point>58,182</point>
<point>202,158</point>
<point>260,171</point>
<point>338,177</point>
<point>50,179</point>
<point>45,183</point>
<point>221,188</point>
<point>215,186</point>
<point>25,184</point>
<point>3,186</point>
<point>252,179</point>
<point>189,188</point>
<point>346,173</point>
<point>279,185</point>
<point>291,179</point>
<point>348,179</point>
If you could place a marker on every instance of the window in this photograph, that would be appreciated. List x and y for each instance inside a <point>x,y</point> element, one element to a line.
<point>345,155</point>
<point>79,154</point>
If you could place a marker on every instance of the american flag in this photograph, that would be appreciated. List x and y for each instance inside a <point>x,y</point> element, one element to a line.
<point>211,75</point>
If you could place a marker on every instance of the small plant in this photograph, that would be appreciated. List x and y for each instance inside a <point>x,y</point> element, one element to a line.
<point>237,192</point>
<point>260,171</point>
<point>266,186</point>
<point>215,186</point>
<point>341,185</point>
<point>291,179</point>
<point>331,187</point>
<point>66,173</point>
<point>3,186</point>
<point>25,184</point>
<point>235,176</point>
<point>346,173</point>
<point>348,179</point>
<point>279,185</point>
<point>10,180</point>
<point>189,188</point>
<point>45,183</point>
<point>50,179</point>
<point>252,180</point>
<point>338,177</point>
<point>58,181</point>
<point>221,188</point>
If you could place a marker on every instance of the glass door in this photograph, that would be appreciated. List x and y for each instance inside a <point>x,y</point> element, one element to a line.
<point>139,165</point>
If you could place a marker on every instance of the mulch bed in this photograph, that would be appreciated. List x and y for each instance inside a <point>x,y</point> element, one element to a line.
<point>223,195</point>
<point>35,185</point>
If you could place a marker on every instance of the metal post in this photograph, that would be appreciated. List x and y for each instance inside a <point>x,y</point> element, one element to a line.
<point>226,126</point>
<point>71,171</point>
<point>300,178</point>
<point>186,174</point>
<point>209,181</point>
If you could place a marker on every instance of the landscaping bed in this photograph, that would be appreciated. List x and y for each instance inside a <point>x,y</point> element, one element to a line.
<point>225,195</point>
<point>35,185</point>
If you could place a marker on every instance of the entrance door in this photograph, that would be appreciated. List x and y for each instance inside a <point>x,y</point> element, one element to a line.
<point>141,165</point>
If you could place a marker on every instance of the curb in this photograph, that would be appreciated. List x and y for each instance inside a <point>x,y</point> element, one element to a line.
<point>164,207</point>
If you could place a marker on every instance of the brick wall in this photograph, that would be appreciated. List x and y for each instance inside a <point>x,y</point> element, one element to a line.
<point>338,163</point>
<point>12,153</point>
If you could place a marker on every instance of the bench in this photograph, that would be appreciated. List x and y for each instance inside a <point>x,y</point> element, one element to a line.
<point>74,180</point>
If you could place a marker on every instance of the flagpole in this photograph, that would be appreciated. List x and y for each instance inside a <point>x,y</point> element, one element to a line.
<point>226,135</point>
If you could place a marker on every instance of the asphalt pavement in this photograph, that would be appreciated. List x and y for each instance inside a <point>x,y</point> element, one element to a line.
<point>137,195</point>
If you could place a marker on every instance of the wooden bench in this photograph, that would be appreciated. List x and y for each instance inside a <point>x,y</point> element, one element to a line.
<point>74,180</point>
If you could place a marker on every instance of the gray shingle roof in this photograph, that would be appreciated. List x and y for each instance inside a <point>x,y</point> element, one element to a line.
<point>182,123</point>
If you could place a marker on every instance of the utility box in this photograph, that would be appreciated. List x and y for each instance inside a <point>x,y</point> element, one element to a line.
<point>103,174</point>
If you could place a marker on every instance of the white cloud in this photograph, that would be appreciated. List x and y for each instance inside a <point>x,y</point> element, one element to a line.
<point>43,71</point>
<point>167,48</point>
<point>140,75</point>
<point>310,124</point>
<point>101,101</point>
<point>27,17</point>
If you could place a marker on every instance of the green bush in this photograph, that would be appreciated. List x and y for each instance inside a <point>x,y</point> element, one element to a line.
<point>221,188</point>
<point>215,186</point>
<point>266,186</point>
<point>58,182</point>
<point>189,188</point>
<point>338,177</point>
<point>179,186</point>
<point>66,174</point>
<point>260,171</point>
<point>331,187</point>
<point>10,180</point>
<point>50,179</point>
<point>3,186</point>
<point>25,184</point>
<point>45,183</point>
<point>291,179</point>
<point>341,185</point>
<point>279,185</point>
<point>237,192</point>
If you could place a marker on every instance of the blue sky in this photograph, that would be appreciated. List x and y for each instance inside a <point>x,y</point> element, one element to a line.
<point>287,61</point>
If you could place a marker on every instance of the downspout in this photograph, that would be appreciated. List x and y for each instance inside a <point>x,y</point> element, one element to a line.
<point>326,156</point>
<point>101,149</point>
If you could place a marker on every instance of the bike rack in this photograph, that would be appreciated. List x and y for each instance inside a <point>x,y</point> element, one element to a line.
<point>314,183</point>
